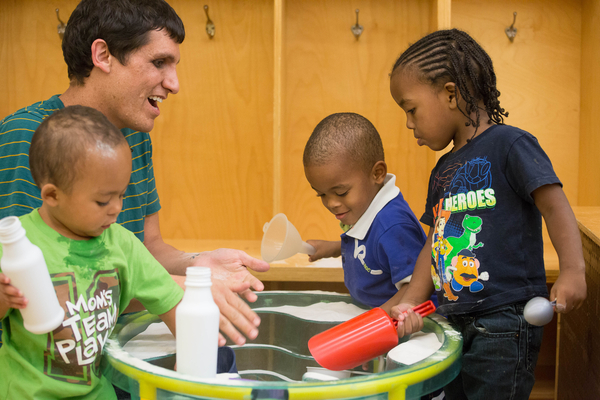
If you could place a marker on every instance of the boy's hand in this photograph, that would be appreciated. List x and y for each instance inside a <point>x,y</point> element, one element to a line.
<point>569,291</point>
<point>10,296</point>
<point>325,249</point>
<point>408,320</point>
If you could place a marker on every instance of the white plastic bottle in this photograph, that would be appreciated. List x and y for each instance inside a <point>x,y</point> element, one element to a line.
<point>23,262</point>
<point>197,324</point>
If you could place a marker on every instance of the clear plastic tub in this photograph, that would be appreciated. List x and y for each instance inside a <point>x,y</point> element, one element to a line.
<point>272,366</point>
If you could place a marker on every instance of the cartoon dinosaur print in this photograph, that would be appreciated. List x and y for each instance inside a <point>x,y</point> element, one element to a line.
<point>472,226</point>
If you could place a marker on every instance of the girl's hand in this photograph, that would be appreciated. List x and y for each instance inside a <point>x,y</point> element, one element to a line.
<point>408,320</point>
<point>569,291</point>
<point>10,296</point>
<point>325,249</point>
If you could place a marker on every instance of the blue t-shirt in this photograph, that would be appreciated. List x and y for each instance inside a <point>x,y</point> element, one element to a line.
<point>487,249</point>
<point>381,249</point>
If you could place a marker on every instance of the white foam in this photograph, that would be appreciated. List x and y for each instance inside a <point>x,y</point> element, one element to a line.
<point>420,346</point>
<point>158,341</point>
<point>322,312</point>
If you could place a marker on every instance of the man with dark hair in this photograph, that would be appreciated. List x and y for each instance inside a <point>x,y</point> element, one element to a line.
<point>122,57</point>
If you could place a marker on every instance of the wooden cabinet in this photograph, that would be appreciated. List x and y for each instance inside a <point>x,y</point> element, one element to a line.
<point>228,147</point>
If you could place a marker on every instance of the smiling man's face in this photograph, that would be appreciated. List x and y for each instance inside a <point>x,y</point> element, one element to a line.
<point>138,87</point>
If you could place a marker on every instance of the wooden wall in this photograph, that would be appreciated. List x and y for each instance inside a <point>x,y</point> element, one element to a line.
<point>31,61</point>
<point>213,140</point>
<point>538,74</point>
<point>589,137</point>
<point>326,70</point>
<point>228,147</point>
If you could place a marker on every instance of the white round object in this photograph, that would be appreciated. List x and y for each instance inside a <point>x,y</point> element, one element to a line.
<point>332,375</point>
<point>538,311</point>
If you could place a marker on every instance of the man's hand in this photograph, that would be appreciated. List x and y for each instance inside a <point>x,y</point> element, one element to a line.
<point>231,267</point>
<point>234,311</point>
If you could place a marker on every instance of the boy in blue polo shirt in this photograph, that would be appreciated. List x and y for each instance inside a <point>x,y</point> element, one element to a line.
<point>344,163</point>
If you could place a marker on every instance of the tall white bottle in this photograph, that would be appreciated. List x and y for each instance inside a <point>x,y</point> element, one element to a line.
<point>23,262</point>
<point>197,324</point>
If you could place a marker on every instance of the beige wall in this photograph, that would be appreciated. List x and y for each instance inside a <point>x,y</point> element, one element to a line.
<point>538,73</point>
<point>326,70</point>
<point>228,147</point>
<point>589,161</point>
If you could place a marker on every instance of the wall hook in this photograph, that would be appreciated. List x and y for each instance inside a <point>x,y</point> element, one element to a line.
<point>210,27</point>
<point>61,26</point>
<point>357,29</point>
<point>511,31</point>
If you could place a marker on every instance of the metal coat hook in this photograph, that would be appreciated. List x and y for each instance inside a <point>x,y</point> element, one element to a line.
<point>357,29</point>
<point>210,27</point>
<point>511,31</point>
<point>61,26</point>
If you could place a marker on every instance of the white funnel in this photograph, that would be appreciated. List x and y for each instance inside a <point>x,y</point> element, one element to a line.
<point>281,240</point>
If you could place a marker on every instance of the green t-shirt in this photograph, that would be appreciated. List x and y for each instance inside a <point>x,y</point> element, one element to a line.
<point>94,280</point>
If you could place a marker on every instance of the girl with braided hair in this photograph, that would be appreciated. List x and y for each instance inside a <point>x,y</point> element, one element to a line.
<point>493,188</point>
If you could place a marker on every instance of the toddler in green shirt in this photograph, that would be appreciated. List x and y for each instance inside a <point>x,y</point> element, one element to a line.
<point>82,165</point>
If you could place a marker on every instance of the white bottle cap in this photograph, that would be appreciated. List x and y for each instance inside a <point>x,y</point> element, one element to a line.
<point>198,277</point>
<point>10,230</point>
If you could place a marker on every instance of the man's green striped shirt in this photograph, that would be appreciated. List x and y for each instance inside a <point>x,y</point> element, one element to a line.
<point>18,193</point>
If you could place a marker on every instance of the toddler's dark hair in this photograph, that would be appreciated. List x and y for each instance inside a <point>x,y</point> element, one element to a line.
<point>343,137</point>
<point>454,56</point>
<point>59,145</point>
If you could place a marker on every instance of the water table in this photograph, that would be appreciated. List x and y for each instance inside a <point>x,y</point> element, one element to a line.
<point>273,365</point>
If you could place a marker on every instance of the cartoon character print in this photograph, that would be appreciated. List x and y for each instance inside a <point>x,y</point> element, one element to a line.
<point>465,272</point>
<point>468,239</point>
<point>454,264</point>
<point>440,250</point>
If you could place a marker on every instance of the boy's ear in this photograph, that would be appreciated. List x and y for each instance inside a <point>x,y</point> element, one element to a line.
<point>379,171</point>
<point>449,93</point>
<point>50,194</point>
<point>101,57</point>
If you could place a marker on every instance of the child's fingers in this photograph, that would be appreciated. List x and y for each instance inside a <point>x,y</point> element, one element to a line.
<point>409,322</point>
<point>12,291</point>
<point>17,302</point>
<point>4,279</point>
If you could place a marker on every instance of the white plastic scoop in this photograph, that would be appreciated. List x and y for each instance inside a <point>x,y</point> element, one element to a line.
<point>539,311</point>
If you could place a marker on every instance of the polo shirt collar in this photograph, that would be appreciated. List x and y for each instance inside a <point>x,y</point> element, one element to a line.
<point>387,193</point>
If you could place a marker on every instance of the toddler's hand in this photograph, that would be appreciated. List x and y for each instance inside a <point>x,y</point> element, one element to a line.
<point>408,320</point>
<point>569,291</point>
<point>324,249</point>
<point>10,296</point>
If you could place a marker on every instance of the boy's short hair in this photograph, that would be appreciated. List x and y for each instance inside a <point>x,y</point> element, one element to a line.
<point>124,26</point>
<point>344,135</point>
<point>59,145</point>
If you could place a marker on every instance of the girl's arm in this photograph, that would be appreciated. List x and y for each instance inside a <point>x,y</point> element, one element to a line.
<point>570,289</point>
<point>417,291</point>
